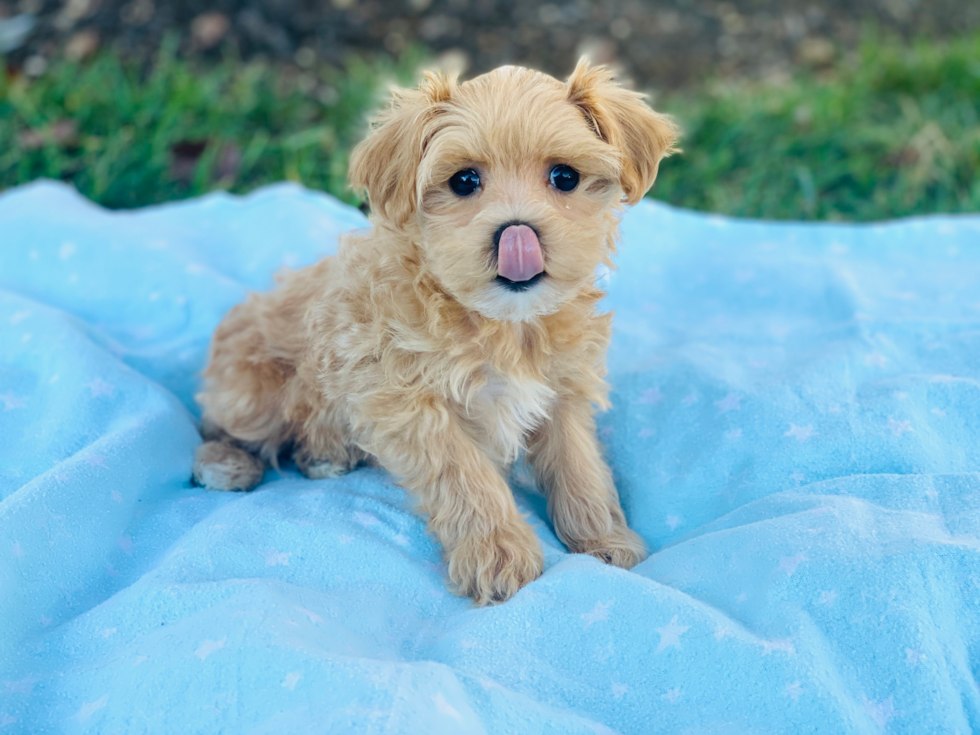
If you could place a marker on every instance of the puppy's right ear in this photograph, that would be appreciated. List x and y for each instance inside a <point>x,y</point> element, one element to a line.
<point>386,162</point>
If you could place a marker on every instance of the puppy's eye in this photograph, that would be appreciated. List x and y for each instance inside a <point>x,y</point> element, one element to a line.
<point>564,178</point>
<point>465,182</point>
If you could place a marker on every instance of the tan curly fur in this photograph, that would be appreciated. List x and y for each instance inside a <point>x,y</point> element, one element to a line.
<point>403,350</point>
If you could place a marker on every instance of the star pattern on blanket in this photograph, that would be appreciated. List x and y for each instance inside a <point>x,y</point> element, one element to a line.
<point>898,428</point>
<point>599,613</point>
<point>275,558</point>
<point>12,401</point>
<point>208,647</point>
<point>22,686</point>
<point>651,396</point>
<point>670,634</point>
<point>100,387</point>
<point>789,564</point>
<point>731,402</point>
<point>794,690</point>
<point>881,712</point>
<point>800,433</point>
<point>88,709</point>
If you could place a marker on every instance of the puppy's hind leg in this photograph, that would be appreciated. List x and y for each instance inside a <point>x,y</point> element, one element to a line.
<point>220,465</point>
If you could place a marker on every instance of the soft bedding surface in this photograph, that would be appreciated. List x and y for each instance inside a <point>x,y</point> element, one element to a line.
<point>795,433</point>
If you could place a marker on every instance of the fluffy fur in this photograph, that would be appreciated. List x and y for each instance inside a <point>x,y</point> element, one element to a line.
<point>403,350</point>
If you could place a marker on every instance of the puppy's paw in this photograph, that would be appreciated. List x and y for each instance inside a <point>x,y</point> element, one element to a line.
<point>322,470</point>
<point>222,466</point>
<point>491,569</point>
<point>621,548</point>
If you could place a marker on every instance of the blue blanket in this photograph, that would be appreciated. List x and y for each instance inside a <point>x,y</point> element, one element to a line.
<point>795,433</point>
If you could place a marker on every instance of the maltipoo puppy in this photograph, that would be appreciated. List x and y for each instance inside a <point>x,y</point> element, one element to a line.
<point>462,328</point>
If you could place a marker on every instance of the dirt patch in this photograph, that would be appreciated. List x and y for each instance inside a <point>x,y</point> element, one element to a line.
<point>666,44</point>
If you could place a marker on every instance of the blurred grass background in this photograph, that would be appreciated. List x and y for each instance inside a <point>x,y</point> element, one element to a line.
<point>893,131</point>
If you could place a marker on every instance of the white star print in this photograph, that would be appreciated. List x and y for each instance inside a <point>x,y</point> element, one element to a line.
<point>400,539</point>
<point>99,387</point>
<point>721,632</point>
<point>673,522</point>
<point>66,250</point>
<point>275,558</point>
<point>12,401</point>
<point>731,402</point>
<point>291,680</point>
<point>800,433</point>
<point>366,519</point>
<point>17,317</point>
<point>117,496</point>
<point>602,653</point>
<point>209,647</point>
<point>690,400</point>
<point>18,552</point>
<point>314,618</point>
<point>672,695</point>
<point>794,690</point>
<point>445,708</point>
<point>899,427</point>
<point>741,597</point>
<point>619,690</point>
<point>670,634</point>
<point>734,434</point>
<point>90,708</point>
<point>599,612</point>
<point>931,494</point>
<point>646,433</point>
<point>789,564</point>
<point>126,544</point>
<point>96,460</point>
<point>913,656</point>
<point>797,477</point>
<point>344,538</point>
<point>828,598</point>
<point>875,359</point>
<point>780,644</point>
<point>106,632</point>
<point>938,412</point>
<point>6,719</point>
<point>881,712</point>
<point>24,686</point>
<point>651,396</point>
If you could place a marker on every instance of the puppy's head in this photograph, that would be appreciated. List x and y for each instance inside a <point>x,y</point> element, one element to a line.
<point>512,181</point>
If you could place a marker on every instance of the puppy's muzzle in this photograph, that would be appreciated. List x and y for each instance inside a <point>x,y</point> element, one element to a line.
<point>520,262</point>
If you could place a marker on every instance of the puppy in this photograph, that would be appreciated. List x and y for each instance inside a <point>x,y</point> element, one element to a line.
<point>462,328</point>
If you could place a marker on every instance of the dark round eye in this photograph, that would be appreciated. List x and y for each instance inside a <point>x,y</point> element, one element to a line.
<point>564,178</point>
<point>465,182</point>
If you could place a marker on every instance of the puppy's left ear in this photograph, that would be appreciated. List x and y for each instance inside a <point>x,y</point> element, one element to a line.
<point>621,118</point>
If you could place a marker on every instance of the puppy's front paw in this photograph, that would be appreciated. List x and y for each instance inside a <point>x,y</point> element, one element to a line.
<point>491,568</point>
<point>621,548</point>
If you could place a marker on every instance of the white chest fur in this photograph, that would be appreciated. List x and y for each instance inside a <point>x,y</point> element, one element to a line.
<point>506,409</point>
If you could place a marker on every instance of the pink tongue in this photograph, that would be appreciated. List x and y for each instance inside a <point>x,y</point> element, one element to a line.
<point>519,254</point>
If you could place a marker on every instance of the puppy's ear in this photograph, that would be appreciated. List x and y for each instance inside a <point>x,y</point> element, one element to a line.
<point>385,163</point>
<point>621,118</point>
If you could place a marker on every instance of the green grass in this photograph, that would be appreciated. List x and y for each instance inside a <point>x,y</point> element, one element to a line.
<point>128,136</point>
<point>893,133</point>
